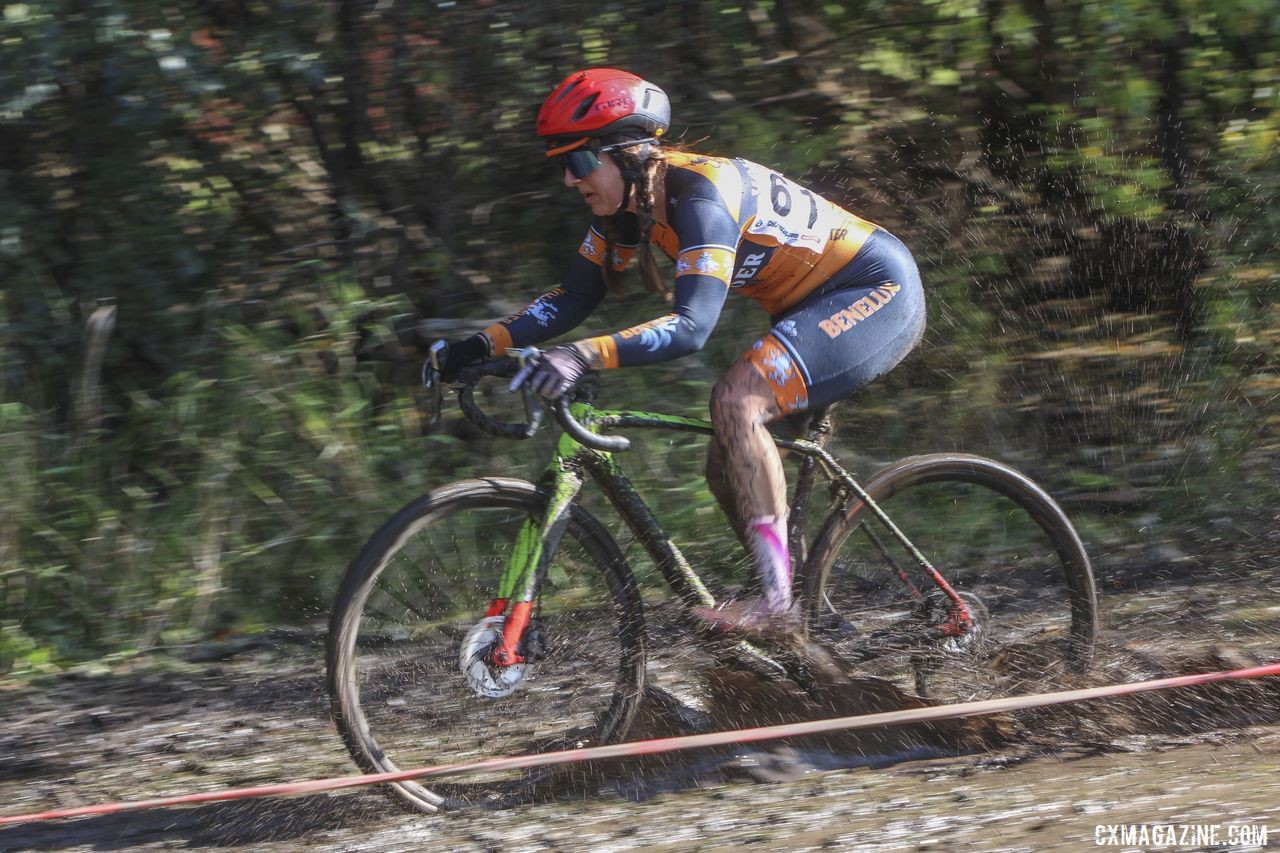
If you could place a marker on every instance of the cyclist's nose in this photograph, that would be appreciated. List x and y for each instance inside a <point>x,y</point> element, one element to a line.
<point>570,180</point>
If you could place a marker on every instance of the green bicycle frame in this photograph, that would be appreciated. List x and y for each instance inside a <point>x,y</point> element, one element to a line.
<point>538,539</point>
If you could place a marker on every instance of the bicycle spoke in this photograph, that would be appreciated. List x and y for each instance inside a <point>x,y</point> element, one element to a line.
<point>411,697</point>
<point>1007,565</point>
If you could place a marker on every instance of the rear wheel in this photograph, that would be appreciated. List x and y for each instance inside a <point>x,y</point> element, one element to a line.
<point>1001,542</point>
<point>408,679</point>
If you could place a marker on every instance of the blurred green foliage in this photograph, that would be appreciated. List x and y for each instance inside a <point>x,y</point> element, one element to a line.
<point>228,228</point>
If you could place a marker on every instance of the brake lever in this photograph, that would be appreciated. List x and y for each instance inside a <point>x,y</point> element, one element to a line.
<point>435,386</point>
<point>533,408</point>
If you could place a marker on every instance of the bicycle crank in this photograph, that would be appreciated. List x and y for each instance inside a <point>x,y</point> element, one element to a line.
<point>485,679</point>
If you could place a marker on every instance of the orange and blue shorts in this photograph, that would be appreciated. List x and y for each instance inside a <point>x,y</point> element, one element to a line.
<point>847,333</point>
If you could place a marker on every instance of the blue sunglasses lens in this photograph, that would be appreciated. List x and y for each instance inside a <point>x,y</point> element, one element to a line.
<point>580,163</point>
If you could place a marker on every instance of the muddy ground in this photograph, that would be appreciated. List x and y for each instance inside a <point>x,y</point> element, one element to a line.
<point>1197,756</point>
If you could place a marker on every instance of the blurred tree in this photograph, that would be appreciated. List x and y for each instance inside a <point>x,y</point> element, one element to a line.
<point>223,220</point>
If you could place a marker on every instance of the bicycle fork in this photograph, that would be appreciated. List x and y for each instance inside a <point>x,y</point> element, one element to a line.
<point>527,566</point>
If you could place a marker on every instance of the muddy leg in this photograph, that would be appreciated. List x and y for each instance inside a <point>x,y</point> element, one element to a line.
<point>718,483</point>
<point>752,481</point>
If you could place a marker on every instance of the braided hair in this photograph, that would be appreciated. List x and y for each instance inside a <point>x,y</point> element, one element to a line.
<point>643,168</point>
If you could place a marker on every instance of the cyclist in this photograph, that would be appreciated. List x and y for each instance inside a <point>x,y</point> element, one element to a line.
<point>844,296</point>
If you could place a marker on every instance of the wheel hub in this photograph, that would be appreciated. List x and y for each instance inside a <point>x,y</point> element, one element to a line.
<point>485,679</point>
<point>956,635</point>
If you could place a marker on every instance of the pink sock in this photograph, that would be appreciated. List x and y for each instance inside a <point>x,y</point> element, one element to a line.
<point>767,536</point>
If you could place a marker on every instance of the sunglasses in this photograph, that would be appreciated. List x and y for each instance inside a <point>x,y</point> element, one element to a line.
<point>581,162</point>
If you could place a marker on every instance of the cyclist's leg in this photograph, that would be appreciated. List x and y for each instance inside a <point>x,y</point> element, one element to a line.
<point>750,475</point>
<point>793,426</point>
<point>718,483</point>
<point>821,351</point>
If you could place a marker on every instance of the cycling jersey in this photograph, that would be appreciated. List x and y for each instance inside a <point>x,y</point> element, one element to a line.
<point>845,295</point>
<point>733,225</point>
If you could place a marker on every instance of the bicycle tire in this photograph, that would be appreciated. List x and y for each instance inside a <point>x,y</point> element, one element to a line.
<point>398,694</point>
<point>1001,541</point>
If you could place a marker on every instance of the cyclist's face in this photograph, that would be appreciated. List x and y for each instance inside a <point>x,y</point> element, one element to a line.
<point>602,189</point>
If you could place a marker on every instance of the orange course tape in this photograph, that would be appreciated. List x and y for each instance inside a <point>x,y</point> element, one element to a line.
<point>671,744</point>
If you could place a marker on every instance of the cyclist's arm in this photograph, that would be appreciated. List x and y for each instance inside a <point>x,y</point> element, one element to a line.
<point>704,268</point>
<point>564,308</point>
<point>551,314</point>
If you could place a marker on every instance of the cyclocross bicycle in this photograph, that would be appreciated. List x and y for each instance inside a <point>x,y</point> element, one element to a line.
<point>496,616</point>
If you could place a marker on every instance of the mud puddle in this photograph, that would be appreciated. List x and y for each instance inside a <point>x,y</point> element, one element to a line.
<point>1040,780</point>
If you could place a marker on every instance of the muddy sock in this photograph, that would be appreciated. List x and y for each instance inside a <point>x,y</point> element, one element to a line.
<point>767,536</point>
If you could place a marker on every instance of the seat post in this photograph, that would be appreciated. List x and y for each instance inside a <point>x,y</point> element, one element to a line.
<point>819,429</point>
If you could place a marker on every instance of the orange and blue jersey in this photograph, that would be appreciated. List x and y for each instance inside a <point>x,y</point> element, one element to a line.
<point>734,225</point>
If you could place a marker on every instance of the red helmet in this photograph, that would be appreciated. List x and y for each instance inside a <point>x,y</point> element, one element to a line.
<point>602,102</point>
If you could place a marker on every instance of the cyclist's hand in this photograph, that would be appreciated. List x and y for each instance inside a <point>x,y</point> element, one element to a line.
<point>459,354</point>
<point>555,372</point>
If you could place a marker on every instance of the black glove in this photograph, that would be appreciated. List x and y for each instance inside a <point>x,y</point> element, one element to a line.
<point>556,371</point>
<point>459,355</point>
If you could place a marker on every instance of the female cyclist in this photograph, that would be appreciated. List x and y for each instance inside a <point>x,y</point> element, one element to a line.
<point>844,296</point>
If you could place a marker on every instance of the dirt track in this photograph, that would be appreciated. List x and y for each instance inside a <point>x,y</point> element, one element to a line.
<point>1201,756</point>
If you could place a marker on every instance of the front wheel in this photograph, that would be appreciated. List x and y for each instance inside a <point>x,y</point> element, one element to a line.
<point>1001,542</point>
<point>409,682</point>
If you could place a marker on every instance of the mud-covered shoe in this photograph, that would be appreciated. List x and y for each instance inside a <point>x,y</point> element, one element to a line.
<point>750,617</point>
<point>806,662</point>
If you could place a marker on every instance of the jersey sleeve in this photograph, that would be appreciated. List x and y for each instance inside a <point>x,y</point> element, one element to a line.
<point>593,245</point>
<point>708,236</point>
<point>564,308</point>
<point>554,313</point>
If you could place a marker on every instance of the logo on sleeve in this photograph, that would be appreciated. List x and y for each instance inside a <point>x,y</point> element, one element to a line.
<point>655,334</point>
<point>542,309</point>
<point>591,247</point>
<point>711,261</point>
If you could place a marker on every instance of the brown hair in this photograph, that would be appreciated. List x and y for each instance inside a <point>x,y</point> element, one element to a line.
<point>650,167</point>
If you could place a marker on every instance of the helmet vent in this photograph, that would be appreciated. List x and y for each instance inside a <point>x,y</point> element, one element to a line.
<point>568,89</point>
<point>585,106</point>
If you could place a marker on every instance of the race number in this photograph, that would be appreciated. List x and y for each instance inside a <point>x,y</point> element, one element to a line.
<point>789,213</point>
